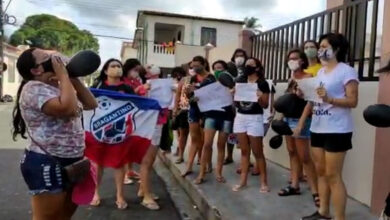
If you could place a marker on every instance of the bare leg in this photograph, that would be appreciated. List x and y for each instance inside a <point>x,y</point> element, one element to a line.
<point>146,167</point>
<point>334,168</point>
<point>256,144</point>
<point>206,154</point>
<point>96,197</point>
<point>119,175</point>
<point>303,150</point>
<point>243,143</point>
<point>323,187</point>
<point>294,161</point>
<point>182,142</point>
<point>222,138</point>
<point>196,143</point>
<point>49,206</point>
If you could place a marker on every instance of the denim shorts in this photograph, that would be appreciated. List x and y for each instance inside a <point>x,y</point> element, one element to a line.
<point>219,125</point>
<point>293,123</point>
<point>43,174</point>
<point>194,115</point>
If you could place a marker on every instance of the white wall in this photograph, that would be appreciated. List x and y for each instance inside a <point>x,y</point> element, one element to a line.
<point>227,34</point>
<point>10,88</point>
<point>185,53</point>
<point>223,52</point>
<point>358,168</point>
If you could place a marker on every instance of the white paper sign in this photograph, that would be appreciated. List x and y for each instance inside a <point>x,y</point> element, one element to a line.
<point>213,97</point>
<point>308,87</point>
<point>246,92</point>
<point>161,90</point>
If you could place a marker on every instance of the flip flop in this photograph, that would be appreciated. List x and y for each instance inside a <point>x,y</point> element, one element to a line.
<point>151,206</point>
<point>179,161</point>
<point>128,181</point>
<point>121,205</point>
<point>199,181</point>
<point>154,196</point>
<point>255,174</point>
<point>289,191</point>
<point>264,189</point>
<point>220,179</point>
<point>95,202</point>
<point>186,173</point>
<point>227,161</point>
<point>237,188</point>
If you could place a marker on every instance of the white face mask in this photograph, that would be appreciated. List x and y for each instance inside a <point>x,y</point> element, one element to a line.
<point>239,61</point>
<point>326,54</point>
<point>192,72</point>
<point>293,65</point>
<point>114,72</point>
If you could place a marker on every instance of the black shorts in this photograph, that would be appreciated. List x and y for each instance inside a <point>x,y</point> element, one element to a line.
<point>332,142</point>
<point>181,120</point>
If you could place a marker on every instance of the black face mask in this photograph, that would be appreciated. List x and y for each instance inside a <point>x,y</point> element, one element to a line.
<point>47,66</point>
<point>249,70</point>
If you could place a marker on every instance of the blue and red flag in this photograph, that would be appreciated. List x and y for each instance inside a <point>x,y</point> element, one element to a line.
<point>120,129</point>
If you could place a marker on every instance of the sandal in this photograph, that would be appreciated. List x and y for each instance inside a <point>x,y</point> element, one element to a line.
<point>154,196</point>
<point>199,181</point>
<point>179,161</point>
<point>151,205</point>
<point>186,173</point>
<point>95,202</point>
<point>221,179</point>
<point>121,205</point>
<point>316,199</point>
<point>289,191</point>
<point>237,188</point>
<point>133,175</point>
<point>128,181</point>
<point>255,174</point>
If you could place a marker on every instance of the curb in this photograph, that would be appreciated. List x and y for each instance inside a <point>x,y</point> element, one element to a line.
<point>207,210</point>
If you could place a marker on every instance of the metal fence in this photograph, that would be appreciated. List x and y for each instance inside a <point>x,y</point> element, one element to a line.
<point>357,21</point>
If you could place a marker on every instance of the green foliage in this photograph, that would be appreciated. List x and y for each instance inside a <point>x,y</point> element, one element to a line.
<point>252,22</point>
<point>49,32</point>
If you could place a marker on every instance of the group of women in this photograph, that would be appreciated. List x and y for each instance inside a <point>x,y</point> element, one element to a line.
<point>48,108</point>
<point>322,132</point>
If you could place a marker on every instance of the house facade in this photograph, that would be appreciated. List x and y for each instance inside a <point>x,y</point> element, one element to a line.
<point>11,78</point>
<point>159,35</point>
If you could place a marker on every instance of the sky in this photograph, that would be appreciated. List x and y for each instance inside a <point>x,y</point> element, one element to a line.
<point>118,17</point>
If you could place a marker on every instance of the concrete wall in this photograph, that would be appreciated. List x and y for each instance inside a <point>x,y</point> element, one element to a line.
<point>185,53</point>
<point>223,52</point>
<point>128,53</point>
<point>10,88</point>
<point>226,34</point>
<point>358,167</point>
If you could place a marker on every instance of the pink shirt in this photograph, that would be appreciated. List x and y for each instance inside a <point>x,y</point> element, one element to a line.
<point>61,137</point>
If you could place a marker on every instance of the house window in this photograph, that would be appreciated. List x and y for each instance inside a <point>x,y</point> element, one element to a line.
<point>208,35</point>
<point>11,71</point>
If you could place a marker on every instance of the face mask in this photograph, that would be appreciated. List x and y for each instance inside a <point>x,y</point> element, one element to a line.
<point>198,69</point>
<point>239,61</point>
<point>191,72</point>
<point>217,73</point>
<point>134,74</point>
<point>293,65</point>
<point>155,70</point>
<point>249,70</point>
<point>326,54</point>
<point>114,72</point>
<point>311,53</point>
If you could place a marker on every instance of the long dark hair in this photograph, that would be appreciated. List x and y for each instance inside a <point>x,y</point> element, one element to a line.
<point>24,64</point>
<point>259,65</point>
<point>129,65</point>
<point>102,76</point>
<point>239,50</point>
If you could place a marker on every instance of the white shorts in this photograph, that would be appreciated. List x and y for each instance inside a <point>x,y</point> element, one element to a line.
<point>252,125</point>
<point>156,138</point>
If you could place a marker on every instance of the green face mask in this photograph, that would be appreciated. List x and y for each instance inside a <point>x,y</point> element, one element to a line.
<point>311,53</point>
<point>217,73</point>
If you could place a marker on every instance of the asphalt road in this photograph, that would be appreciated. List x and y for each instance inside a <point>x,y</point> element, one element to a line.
<point>15,201</point>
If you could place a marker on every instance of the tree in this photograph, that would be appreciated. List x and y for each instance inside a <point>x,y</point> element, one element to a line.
<point>49,32</point>
<point>252,23</point>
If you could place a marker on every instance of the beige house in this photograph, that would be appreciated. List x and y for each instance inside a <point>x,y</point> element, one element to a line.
<point>11,78</point>
<point>169,40</point>
<point>127,51</point>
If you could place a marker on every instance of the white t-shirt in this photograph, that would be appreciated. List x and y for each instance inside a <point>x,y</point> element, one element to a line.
<point>267,111</point>
<point>326,117</point>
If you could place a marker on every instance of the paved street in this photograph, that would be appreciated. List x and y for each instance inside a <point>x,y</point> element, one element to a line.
<point>15,205</point>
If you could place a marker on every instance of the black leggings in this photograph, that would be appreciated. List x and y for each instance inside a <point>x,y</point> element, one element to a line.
<point>387,207</point>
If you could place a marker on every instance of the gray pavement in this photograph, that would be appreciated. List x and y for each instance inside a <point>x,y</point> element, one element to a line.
<point>250,203</point>
<point>15,201</point>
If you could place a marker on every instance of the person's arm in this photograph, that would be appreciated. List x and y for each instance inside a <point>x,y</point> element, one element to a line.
<point>301,123</point>
<point>84,95</point>
<point>177,98</point>
<point>351,96</point>
<point>264,100</point>
<point>66,104</point>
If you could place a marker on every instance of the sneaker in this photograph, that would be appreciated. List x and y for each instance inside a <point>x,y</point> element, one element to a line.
<point>316,216</point>
<point>132,175</point>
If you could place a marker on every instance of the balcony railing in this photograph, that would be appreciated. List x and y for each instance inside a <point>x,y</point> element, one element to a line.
<point>163,49</point>
<point>357,21</point>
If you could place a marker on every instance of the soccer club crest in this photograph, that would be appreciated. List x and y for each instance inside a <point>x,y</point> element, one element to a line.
<point>113,120</point>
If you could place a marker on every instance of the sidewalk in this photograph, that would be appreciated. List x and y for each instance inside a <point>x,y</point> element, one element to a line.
<point>218,201</point>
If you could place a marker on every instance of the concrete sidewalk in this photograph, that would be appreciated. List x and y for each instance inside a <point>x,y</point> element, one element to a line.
<point>218,201</point>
